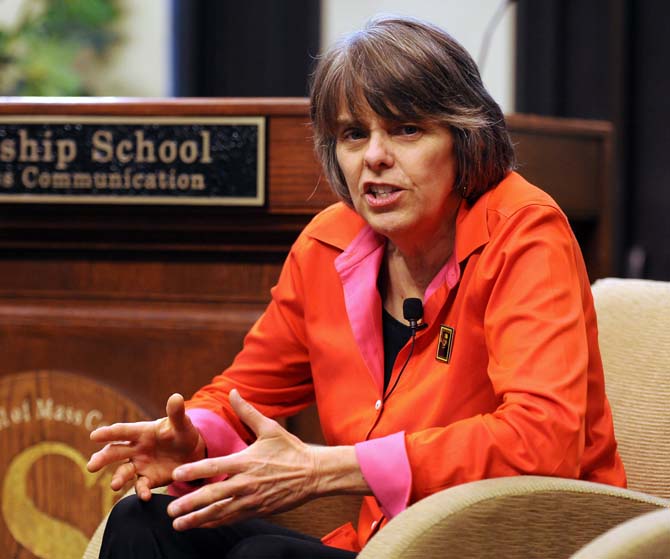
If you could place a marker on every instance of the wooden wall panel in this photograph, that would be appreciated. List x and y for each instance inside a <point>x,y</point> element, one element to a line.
<point>295,183</point>
<point>126,279</point>
<point>144,351</point>
<point>572,160</point>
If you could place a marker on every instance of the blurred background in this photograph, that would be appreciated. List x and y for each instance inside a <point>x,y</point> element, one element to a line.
<point>591,59</point>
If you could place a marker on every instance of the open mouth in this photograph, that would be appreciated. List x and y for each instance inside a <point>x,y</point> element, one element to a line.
<point>381,191</point>
<point>382,196</point>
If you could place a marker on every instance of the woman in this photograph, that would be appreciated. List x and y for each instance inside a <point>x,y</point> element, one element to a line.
<point>497,374</point>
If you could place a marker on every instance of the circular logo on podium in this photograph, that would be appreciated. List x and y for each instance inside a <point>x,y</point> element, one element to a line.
<point>51,504</point>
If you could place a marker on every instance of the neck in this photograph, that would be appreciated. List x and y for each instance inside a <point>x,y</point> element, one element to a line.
<point>408,274</point>
<point>414,271</point>
<point>412,260</point>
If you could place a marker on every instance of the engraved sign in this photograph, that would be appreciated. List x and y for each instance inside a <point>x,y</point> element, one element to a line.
<point>133,160</point>
<point>50,505</point>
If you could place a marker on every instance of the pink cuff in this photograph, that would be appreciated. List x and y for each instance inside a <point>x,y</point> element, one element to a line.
<point>385,466</point>
<point>220,438</point>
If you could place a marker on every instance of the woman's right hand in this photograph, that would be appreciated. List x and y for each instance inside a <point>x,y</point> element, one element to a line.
<point>148,451</point>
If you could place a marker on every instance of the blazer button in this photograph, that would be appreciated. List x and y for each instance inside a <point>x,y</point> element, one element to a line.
<point>378,405</point>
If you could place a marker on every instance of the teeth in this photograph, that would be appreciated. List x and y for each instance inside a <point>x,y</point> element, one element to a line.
<point>381,190</point>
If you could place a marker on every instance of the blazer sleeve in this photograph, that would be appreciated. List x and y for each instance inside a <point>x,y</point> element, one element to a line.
<point>272,370</point>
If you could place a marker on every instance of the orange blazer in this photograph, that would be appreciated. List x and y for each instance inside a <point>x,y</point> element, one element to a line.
<point>506,379</point>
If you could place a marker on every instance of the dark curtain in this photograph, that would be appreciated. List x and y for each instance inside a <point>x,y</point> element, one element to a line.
<point>250,48</point>
<point>608,59</point>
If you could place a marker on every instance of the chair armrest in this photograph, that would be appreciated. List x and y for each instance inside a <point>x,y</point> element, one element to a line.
<point>509,518</point>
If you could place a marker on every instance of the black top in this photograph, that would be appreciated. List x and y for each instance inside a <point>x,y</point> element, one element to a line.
<point>395,335</point>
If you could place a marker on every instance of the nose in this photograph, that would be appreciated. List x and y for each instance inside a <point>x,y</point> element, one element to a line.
<point>378,154</point>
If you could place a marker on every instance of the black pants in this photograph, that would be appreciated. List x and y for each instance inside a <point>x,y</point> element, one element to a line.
<point>143,530</point>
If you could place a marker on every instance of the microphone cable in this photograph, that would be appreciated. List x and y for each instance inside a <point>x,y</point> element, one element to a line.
<point>412,310</point>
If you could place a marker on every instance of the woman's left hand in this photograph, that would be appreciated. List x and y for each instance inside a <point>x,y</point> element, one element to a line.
<point>277,472</point>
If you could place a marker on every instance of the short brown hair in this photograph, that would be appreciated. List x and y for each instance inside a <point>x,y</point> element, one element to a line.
<point>408,70</point>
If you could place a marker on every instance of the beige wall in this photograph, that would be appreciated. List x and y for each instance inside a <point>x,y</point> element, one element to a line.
<point>141,66</point>
<point>9,11</point>
<point>465,20</point>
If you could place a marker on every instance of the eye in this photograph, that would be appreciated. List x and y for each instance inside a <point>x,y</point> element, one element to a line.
<point>408,130</point>
<point>352,134</point>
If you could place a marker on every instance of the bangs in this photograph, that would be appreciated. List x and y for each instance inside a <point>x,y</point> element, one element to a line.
<point>361,81</point>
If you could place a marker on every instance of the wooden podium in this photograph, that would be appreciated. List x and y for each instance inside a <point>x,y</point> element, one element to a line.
<point>152,298</point>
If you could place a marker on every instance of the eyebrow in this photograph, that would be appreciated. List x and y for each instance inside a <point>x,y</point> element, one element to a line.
<point>344,122</point>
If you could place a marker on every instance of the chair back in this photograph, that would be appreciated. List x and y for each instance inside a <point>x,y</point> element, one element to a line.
<point>634,337</point>
<point>646,536</point>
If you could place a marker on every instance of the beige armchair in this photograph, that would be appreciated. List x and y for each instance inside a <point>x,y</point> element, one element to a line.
<point>532,516</point>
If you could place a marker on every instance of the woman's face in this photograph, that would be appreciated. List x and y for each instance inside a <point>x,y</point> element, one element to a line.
<point>400,176</point>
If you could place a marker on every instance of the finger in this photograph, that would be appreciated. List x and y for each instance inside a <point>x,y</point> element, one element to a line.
<point>213,515</point>
<point>206,496</point>
<point>176,412</point>
<point>249,415</point>
<point>207,468</point>
<point>143,488</point>
<point>218,513</point>
<point>119,432</point>
<point>123,474</point>
<point>113,452</point>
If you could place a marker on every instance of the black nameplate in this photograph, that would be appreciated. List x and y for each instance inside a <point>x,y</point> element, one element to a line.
<point>132,160</point>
